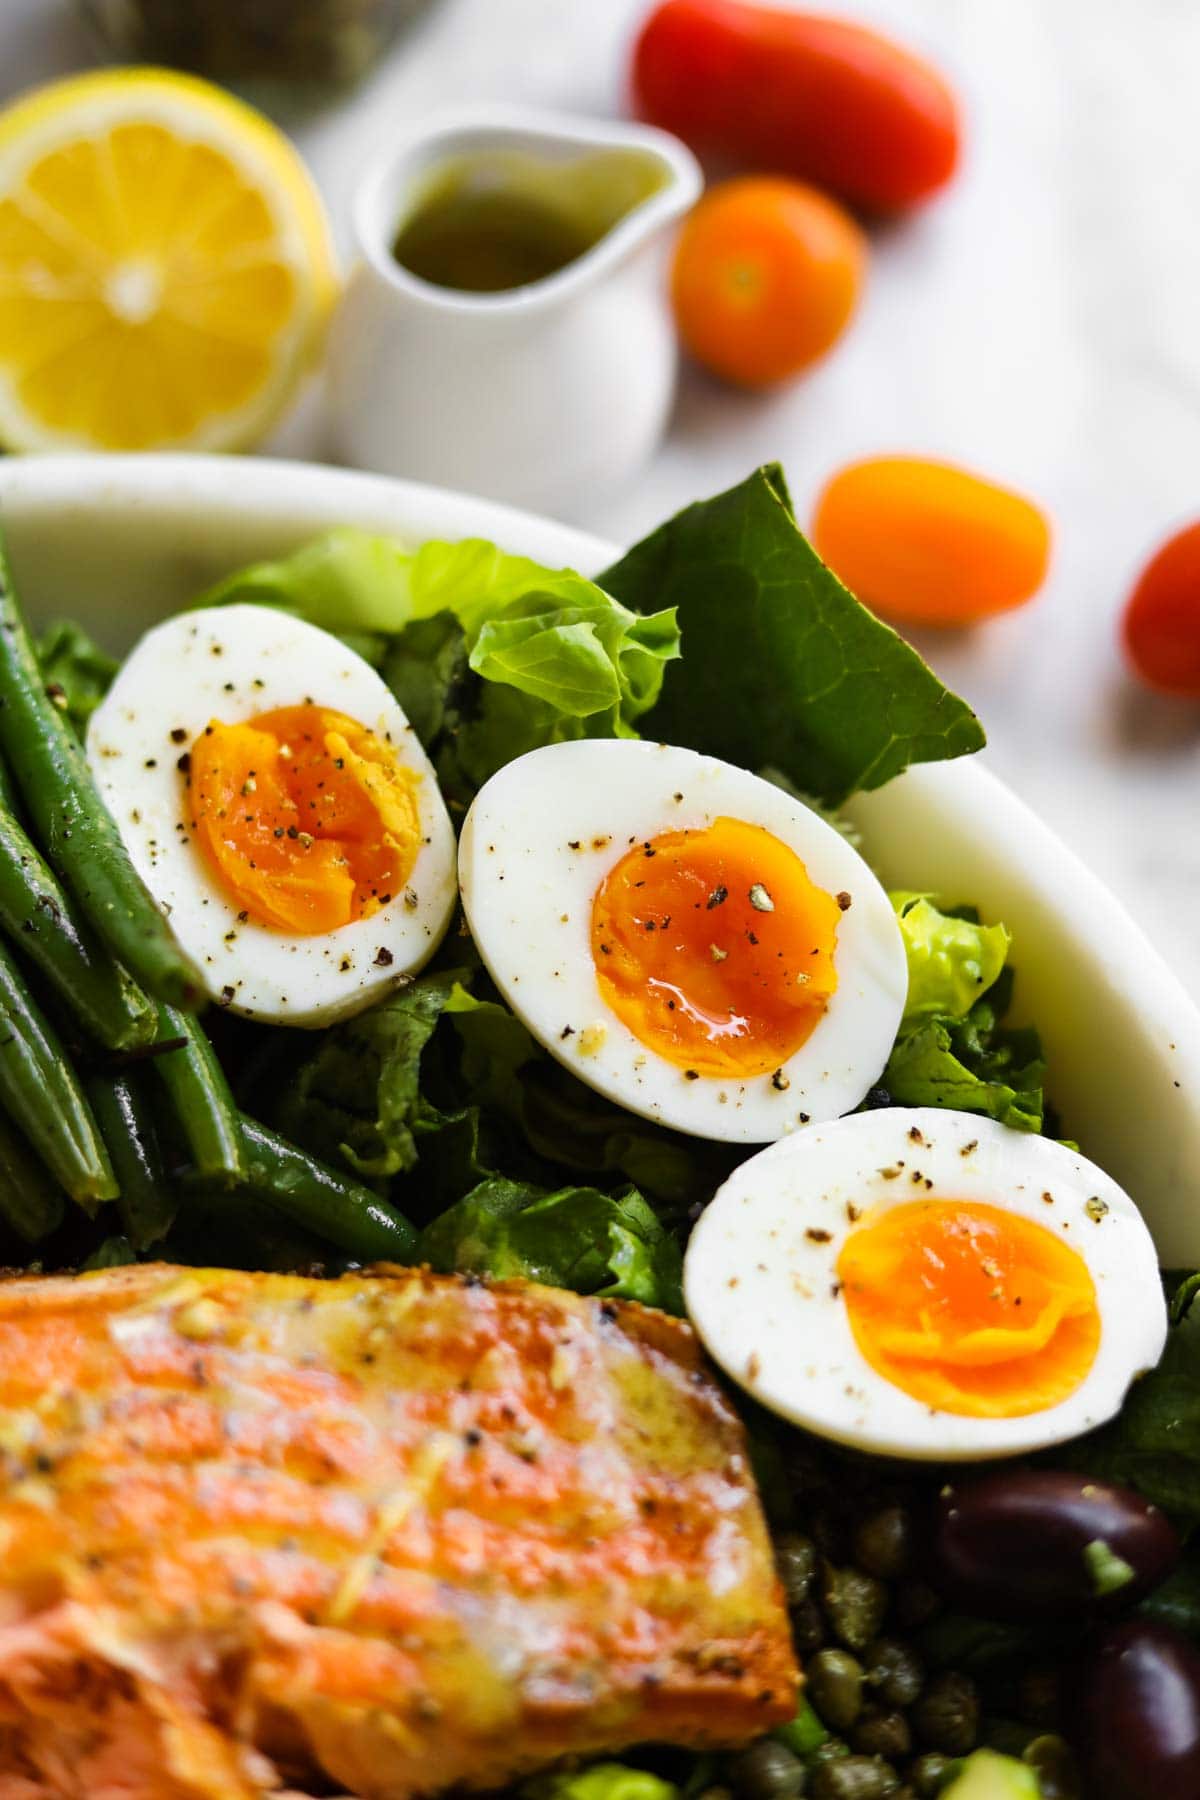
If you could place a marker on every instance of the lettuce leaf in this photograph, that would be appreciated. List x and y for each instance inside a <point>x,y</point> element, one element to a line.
<point>554,656</point>
<point>575,1238</point>
<point>973,1064</point>
<point>952,1049</point>
<point>781,665</point>
<point>952,960</point>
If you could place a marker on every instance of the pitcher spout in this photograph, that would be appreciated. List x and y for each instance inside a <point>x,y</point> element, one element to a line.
<point>503,206</point>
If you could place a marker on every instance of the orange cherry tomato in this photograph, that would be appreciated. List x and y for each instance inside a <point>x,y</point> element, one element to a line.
<point>928,543</point>
<point>767,273</point>
<point>1161,627</point>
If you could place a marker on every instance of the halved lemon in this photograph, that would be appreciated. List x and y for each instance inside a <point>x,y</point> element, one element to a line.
<point>165,266</point>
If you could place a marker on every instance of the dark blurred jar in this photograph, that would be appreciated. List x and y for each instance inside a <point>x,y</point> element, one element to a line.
<point>301,46</point>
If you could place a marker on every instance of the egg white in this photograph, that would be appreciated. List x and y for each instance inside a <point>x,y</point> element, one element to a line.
<point>232,663</point>
<point>761,1288</point>
<point>537,842</point>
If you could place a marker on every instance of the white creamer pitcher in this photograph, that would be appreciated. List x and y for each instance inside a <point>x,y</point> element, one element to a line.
<point>544,394</point>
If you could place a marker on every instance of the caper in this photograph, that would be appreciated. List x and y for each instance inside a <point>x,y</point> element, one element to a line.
<point>1051,1760</point>
<point>855,1778</point>
<point>880,1733</point>
<point>829,1532</point>
<point>883,1543</point>
<point>1038,1697</point>
<point>766,1770</point>
<point>835,1681</point>
<point>895,1671</point>
<point>796,1560</point>
<point>855,1605</point>
<point>808,1627</point>
<point>946,1716</point>
<point>930,1773</point>
<point>916,1603</point>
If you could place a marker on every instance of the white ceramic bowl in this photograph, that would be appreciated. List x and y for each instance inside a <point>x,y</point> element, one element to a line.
<point>119,542</point>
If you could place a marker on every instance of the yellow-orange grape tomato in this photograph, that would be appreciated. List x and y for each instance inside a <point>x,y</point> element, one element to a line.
<point>928,543</point>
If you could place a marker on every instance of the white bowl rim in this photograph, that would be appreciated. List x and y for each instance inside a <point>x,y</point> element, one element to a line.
<point>1144,1047</point>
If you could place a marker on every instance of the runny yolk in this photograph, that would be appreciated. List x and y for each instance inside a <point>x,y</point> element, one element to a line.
<point>969,1308</point>
<point>306,819</point>
<point>715,948</point>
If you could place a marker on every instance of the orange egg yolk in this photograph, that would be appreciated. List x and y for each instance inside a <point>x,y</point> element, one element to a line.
<point>307,820</point>
<point>969,1308</point>
<point>715,948</point>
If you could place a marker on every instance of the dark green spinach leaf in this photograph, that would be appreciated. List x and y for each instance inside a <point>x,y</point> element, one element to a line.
<point>781,665</point>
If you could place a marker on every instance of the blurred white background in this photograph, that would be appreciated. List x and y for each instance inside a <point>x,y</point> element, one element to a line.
<point>1040,323</point>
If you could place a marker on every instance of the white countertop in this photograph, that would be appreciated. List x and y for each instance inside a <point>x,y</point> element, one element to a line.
<point>1039,323</point>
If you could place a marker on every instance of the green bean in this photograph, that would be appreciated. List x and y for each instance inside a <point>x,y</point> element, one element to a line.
<point>30,1202</point>
<point>79,836</point>
<point>331,1205</point>
<point>41,1095</point>
<point>44,922</point>
<point>123,1114</point>
<point>200,1096</point>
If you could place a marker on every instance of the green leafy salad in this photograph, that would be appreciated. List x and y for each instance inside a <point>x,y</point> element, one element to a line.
<point>433,1126</point>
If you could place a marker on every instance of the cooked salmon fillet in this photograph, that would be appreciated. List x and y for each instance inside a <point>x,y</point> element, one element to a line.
<point>385,1534</point>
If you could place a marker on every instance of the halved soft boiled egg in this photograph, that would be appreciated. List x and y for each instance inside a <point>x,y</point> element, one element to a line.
<point>687,938</point>
<point>278,805</point>
<point>927,1284</point>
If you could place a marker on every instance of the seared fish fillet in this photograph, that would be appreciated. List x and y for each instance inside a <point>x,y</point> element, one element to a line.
<point>393,1533</point>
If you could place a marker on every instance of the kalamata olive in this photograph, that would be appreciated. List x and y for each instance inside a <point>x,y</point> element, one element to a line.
<point>1137,1718</point>
<point>1030,1544</point>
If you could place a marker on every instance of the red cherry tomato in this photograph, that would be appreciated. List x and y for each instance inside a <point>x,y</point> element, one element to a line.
<point>789,93</point>
<point>1161,627</point>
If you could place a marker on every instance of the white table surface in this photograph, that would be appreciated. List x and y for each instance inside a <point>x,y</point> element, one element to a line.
<point>1040,323</point>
